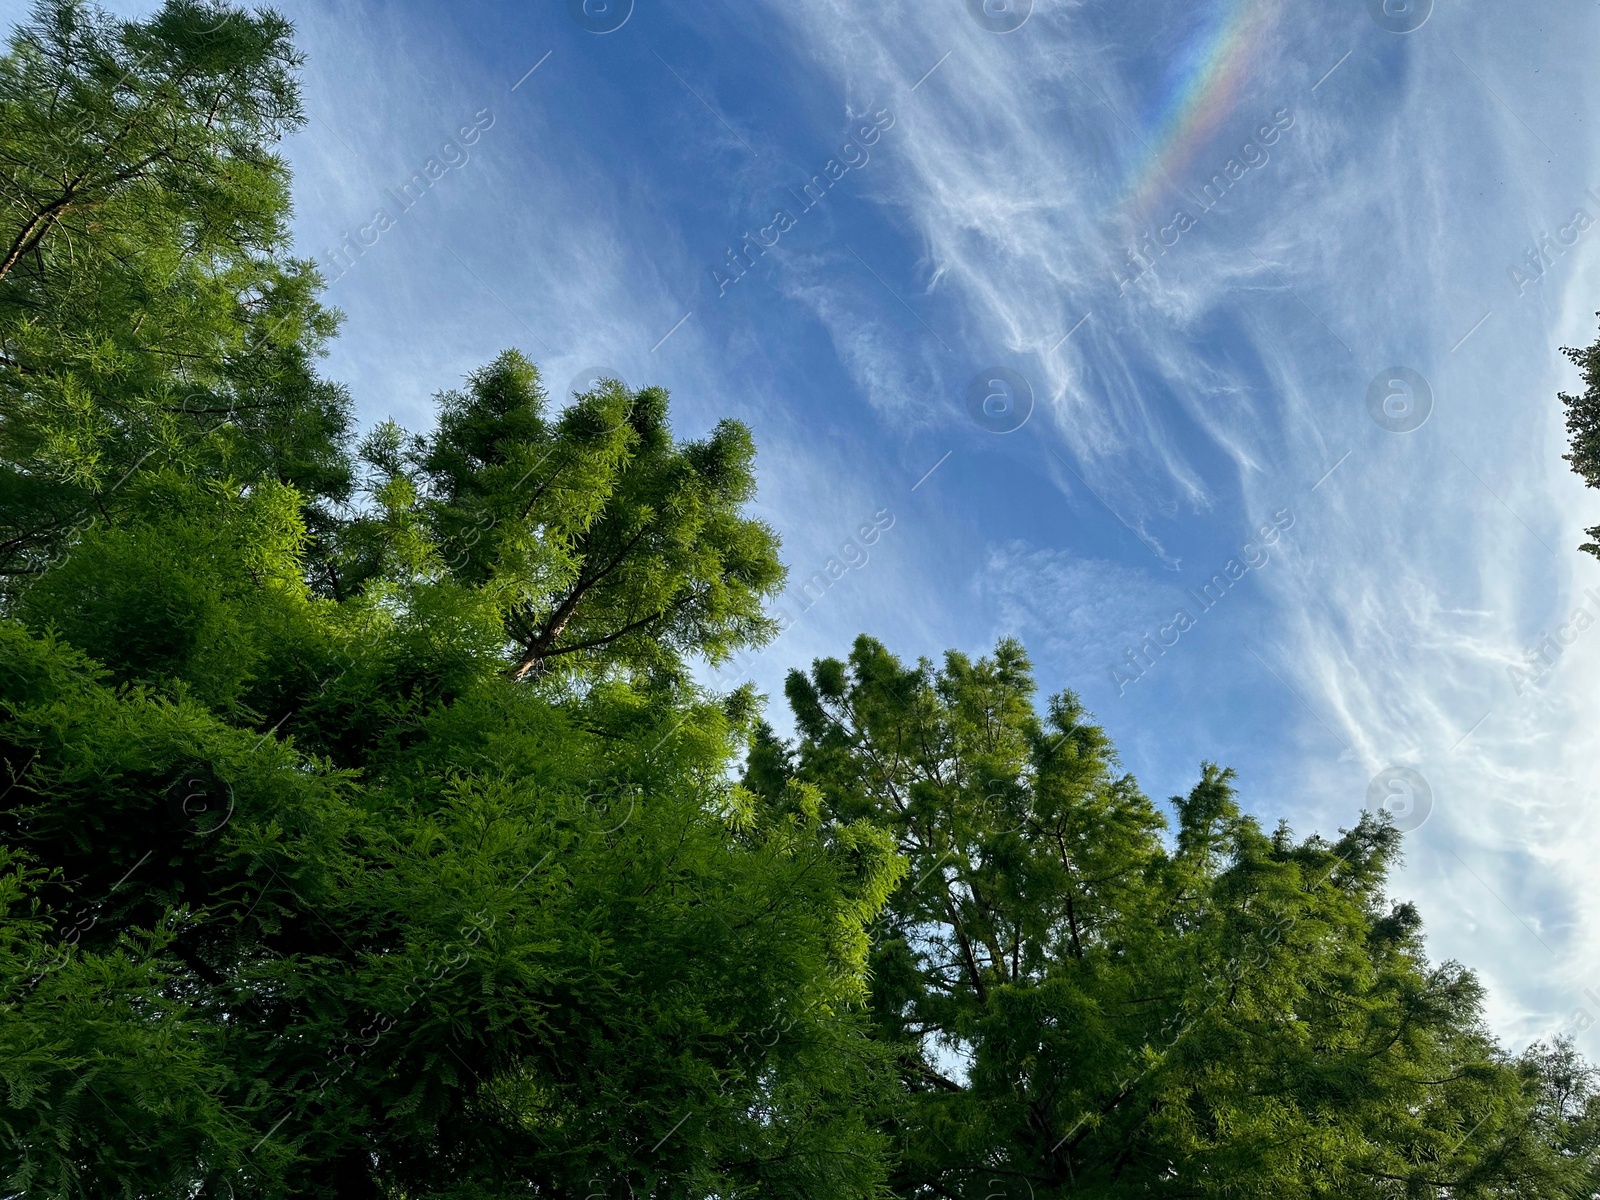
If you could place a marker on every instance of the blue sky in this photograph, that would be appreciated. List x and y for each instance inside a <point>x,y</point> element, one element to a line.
<point>991,221</point>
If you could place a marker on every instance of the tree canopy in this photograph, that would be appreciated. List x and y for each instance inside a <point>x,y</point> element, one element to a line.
<point>1087,998</point>
<point>150,314</point>
<point>365,832</point>
<point>366,829</point>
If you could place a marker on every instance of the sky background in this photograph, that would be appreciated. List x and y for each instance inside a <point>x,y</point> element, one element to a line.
<point>990,231</point>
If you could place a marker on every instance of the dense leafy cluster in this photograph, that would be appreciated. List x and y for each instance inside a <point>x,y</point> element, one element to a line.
<point>1084,1001</point>
<point>149,313</point>
<point>364,831</point>
<point>1583,424</point>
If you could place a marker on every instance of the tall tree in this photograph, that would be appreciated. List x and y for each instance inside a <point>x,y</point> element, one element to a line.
<point>150,315</point>
<point>385,849</point>
<point>425,923</point>
<point>390,849</point>
<point>1086,1000</point>
<point>495,937</point>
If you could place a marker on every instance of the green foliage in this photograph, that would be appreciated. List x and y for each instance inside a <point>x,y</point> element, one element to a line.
<point>1085,1000</point>
<point>111,1084</point>
<point>1583,424</point>
<point>607,543</point>
<point>190,588</point>
<point>148,314</point>
<point>381,848</point>
<point>364,834</point>
<point>518,950</point>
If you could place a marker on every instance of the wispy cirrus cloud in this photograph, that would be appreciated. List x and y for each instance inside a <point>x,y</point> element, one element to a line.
<point>1234,377</point>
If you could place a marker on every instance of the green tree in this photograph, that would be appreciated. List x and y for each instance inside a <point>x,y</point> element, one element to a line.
<point>610,544</point>
<point>382,848</point>
<point>492,936</point>
<point>1086,1000</point>
<point>363,832</point>
<point>149,313</point>
<point>426,927</point>
<point>1583,425</point>
<point>431,924</point>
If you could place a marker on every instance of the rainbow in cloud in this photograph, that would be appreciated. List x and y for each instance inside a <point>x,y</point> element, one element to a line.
<point>1203,86</point>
